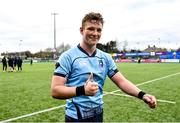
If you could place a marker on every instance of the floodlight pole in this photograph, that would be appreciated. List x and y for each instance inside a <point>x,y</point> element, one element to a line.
<point>54,14</point>
<point>20,43</point>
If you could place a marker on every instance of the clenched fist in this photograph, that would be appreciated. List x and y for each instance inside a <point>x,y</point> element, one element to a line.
<point>150,100</point>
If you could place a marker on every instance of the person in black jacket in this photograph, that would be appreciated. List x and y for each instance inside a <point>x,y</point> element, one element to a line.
<point>4,62</point>
<point>19,63</point>
<point>10,64</point>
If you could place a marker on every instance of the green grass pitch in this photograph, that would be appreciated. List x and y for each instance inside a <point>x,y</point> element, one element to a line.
<point>27,92</point>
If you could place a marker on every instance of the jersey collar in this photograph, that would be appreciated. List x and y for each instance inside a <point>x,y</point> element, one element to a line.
<point>80,48</point>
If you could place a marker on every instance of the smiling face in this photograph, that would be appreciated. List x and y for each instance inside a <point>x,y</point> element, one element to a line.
<point>91,32</point>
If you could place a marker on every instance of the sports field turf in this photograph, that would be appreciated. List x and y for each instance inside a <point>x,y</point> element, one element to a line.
<point>25,96</point>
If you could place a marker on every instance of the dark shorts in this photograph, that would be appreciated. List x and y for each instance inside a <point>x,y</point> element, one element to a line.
<point>95,118</point>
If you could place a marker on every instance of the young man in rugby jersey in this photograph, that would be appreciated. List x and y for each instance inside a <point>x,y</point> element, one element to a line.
<point>81,72</point>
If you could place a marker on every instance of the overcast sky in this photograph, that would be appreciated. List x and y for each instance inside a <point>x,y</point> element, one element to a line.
<point>28,24</point>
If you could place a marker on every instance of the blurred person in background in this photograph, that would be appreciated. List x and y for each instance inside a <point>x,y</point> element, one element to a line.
<point>19,63</point>
<point>4,63</point>
<point>10,64</point>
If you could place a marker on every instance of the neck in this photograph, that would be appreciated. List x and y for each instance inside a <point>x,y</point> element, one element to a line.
<point>88,48</point>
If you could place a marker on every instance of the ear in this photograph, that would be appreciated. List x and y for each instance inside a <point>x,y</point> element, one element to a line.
<point>81,30</point>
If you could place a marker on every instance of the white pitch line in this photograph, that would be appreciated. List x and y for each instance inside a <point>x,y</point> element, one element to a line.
<point>150,81</point>
<point>158,79</point>
<point>106,93</point>
<point>27,115</point>
<point>159,100</point>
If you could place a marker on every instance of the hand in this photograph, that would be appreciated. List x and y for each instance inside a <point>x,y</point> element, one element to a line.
<point>91,87</point>
<point>150,100</point>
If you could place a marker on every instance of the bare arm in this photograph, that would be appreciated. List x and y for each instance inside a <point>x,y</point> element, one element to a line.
<point>125,85</point>
<point>60,91</point>
<point>129,88</point>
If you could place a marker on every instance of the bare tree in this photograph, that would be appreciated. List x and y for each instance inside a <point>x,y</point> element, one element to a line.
<point>125,44</point>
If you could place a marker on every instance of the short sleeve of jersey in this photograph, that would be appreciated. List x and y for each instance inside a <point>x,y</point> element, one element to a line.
<point>112,68</point>
<point>64,65</point>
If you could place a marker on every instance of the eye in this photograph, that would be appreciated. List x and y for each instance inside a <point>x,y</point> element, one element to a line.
<point>99,30</point>
<point>91,29</point>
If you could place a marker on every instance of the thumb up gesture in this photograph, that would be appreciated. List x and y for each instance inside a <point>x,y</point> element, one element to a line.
<point>91,87</point>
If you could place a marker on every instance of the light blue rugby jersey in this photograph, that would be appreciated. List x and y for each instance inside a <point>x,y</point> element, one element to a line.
<point>76,65</point>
